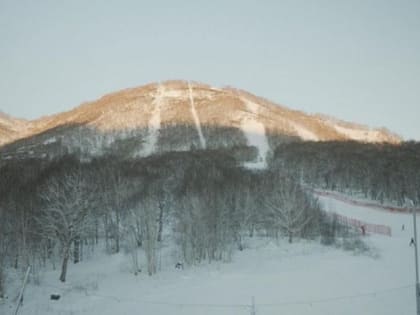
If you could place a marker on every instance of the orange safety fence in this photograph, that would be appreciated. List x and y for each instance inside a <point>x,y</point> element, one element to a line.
<point>363,227</point>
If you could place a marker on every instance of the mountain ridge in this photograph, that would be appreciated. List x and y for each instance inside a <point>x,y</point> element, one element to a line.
<point>146,112</point>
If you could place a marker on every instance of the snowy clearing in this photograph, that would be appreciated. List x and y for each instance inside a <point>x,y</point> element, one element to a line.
<point>154,123</point>
<point>301,278</point>
<point>255,134</point>
<point>50,140</point>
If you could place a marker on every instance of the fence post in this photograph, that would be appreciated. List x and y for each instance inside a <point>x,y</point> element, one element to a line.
<point>253,310</point>
<point>20,298</point>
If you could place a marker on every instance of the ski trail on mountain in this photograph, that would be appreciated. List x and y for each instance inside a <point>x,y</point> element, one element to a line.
<point>303,132</point>
<point>255,134</point>
<point>359,135</point>
<point>196,119</point>
<point>154,122</point>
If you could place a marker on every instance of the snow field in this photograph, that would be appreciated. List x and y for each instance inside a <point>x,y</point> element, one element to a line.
<point>300,278</point>
<point>195,117</point>
<point>154,122</point>
<point>255,134</point>
<point>359,134</point>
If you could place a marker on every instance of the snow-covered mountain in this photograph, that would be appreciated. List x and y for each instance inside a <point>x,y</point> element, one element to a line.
<point>176,116</point>
<point>11,128</point>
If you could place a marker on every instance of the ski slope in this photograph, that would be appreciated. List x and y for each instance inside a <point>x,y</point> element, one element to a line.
<point>154,122</point>
<point>300,278</point>
<point>254,132</point>
<point>195,117</point>
<point>303,132</point>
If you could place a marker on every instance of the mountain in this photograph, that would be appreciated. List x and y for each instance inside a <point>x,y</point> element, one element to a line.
<point>11,128</point>
<point>175,116</point>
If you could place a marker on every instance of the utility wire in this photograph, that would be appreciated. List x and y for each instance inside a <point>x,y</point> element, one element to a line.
<point>138,300</point>
<point>337,298</point>
<point>247,306</point>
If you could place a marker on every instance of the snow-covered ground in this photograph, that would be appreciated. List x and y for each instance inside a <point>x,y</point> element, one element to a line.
<point>300,278</point>
<point>360,134</point>
<point>303,132</point>
<point>154,122</point>
<point>255,134</point>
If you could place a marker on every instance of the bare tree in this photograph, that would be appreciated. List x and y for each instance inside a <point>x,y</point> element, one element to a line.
<point>115,203</point>
<point>142,226</point>
<point>289,209</point>
<point>5,243</point>
<point>150,228</point>
<point>205,228</point>
<point>134,230</point>
<point>65,214</point>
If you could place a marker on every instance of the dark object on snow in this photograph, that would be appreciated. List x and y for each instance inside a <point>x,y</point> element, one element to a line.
<point>403,228</point>
<point>55,297</point>
<point>179,265</point>
<point>363,230</point>
<point>412,241</point>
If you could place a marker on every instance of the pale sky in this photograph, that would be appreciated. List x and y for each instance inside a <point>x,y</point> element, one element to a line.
<point>357,60</point>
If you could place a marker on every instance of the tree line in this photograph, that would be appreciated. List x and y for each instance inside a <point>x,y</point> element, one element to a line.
<point>203,202</point>
<point>381,172</point>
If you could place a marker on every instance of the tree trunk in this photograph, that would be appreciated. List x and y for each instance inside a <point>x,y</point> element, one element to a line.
<point>1,281</point>
<point>117,233</point>
<point>16,263</point>
<point>106,227</point>
<point>49,249</point>
<point>81,249</point>
<point>139,234</point>
<point>76,252</point>
<point>64,265</point>
<point>160,222</point>
<point>97,231</point>
<point>251,230</point>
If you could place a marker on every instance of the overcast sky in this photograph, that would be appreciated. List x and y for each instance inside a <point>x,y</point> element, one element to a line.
<point>357,60</point>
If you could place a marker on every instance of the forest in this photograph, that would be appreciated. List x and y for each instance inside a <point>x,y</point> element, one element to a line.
<point>203,202</point>
<point>381,172</point>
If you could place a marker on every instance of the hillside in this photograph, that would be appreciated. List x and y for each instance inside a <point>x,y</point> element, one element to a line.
<point>177,116</point>
<point>11,128</point>
<point>151,177</point>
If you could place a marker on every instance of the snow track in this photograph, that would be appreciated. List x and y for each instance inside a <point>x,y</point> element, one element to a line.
<point>303,132</point>
<point>255,134</point>
<point>196,119</point>
<point>154,123</point>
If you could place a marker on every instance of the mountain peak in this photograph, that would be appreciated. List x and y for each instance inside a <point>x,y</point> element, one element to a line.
<point>176,115</point>
<point>11,128</point>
